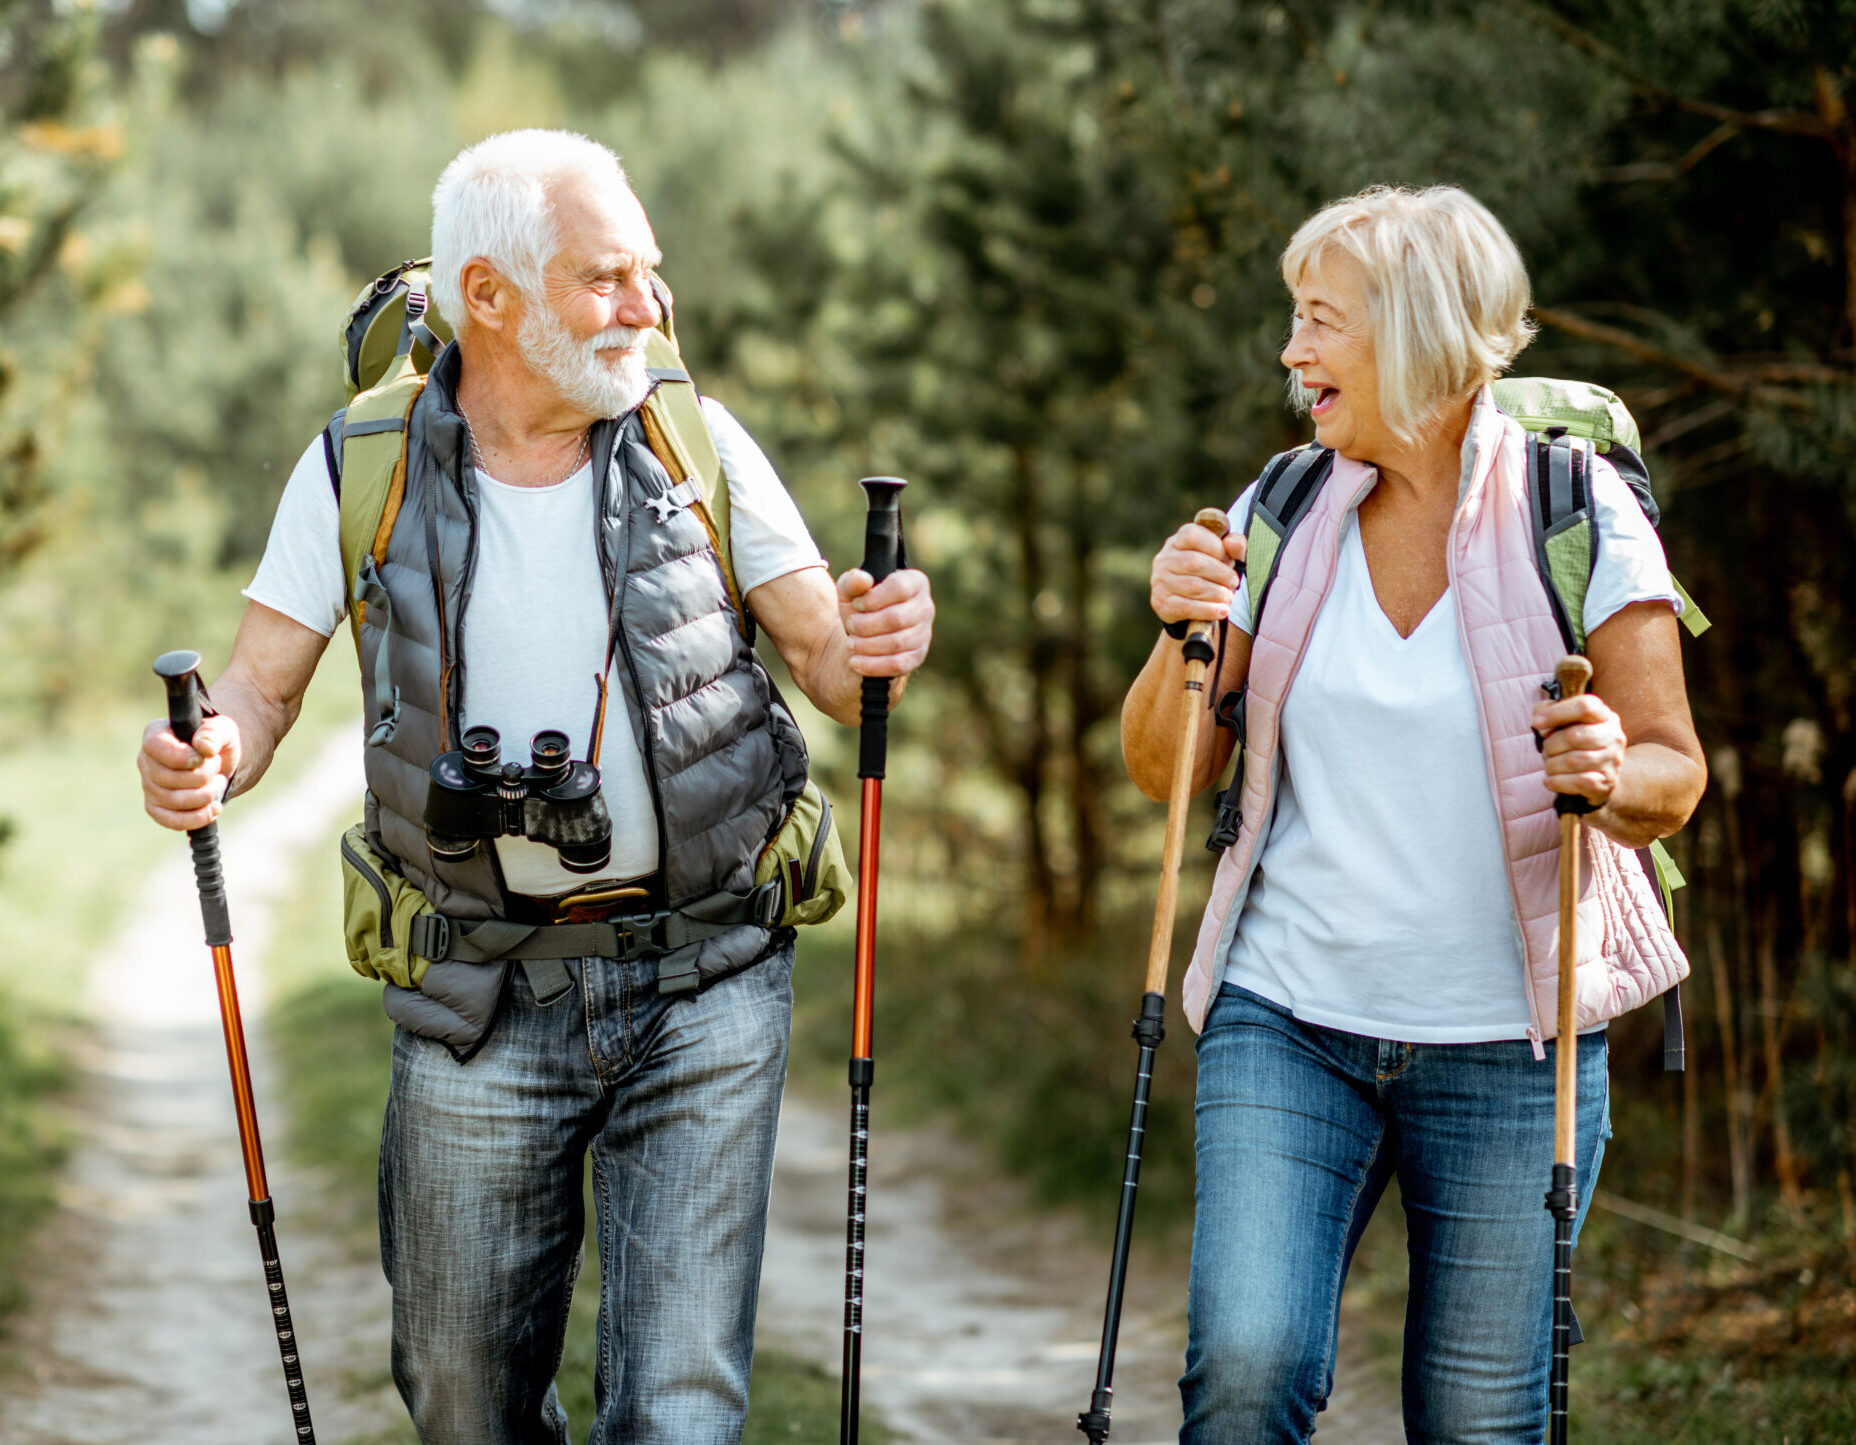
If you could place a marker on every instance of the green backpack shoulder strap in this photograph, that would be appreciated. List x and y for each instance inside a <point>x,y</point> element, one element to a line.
<point>1285,494</point>
<point>679,438</point>
<point>371,489</point>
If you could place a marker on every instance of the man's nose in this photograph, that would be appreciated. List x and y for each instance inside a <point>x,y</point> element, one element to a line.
<point>636,305</point>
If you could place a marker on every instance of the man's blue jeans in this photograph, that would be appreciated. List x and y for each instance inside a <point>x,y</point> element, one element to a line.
<point>1299,1130</point>
<point>481,1216</point>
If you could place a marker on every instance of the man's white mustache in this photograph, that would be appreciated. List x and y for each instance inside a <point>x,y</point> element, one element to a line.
<point>617,338</point>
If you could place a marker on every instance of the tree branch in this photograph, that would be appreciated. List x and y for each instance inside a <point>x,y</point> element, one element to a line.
<point>1784,122</point>
<point>1763,381</point>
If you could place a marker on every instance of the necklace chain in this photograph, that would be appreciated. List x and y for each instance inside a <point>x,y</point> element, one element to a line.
<point>476,452</point>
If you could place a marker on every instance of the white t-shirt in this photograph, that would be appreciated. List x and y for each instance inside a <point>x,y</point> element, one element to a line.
<point>1380,904</point>
<point>535,636</point>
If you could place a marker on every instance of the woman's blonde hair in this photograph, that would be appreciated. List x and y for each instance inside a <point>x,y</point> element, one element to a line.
<point>1446,286</point>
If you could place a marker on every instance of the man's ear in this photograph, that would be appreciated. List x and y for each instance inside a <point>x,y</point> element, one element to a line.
<point>489,298</point>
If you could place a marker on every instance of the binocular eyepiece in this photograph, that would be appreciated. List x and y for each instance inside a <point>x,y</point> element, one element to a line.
<point>474,795</point>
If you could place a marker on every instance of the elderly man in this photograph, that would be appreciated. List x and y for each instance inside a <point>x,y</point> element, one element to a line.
<point>539,513</point>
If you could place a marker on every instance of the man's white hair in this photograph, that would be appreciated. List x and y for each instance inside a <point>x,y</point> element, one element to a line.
<point>1446,288</point>
<point>495,202</point>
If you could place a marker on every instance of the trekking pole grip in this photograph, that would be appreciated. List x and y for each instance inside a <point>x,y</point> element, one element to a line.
<point>882,556</point>
<point>1572,674</point>
<point>180,672</point>
<point>1218,523</point>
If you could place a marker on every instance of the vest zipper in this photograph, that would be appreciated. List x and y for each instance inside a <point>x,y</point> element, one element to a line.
<point>454,686</point>
<point>618,573</point>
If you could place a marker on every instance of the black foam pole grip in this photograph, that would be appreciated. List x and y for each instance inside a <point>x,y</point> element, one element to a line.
<point>882,556</point>
<point>882,525</point>
<point>873,736</point>
<point>180,671</point>
<point>210,879</point>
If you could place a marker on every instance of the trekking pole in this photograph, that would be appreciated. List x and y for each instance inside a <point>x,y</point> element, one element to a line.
<point>1150,1027</point>
<point>186,709</point>
<point>1572,675</point>
<point>882,556</point>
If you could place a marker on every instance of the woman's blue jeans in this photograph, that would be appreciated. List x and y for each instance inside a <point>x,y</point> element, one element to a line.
<point>1299,1130</point>
<point>482,1220</point>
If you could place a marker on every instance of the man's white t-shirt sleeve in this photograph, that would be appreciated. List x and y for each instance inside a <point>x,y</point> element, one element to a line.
<point>765,531</point>
<point>300,574</point>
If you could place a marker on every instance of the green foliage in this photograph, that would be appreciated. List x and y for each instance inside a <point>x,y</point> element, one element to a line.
<point>31,1145</point>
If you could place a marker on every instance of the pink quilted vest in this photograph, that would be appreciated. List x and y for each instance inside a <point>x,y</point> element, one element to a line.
<point>1627,954</point>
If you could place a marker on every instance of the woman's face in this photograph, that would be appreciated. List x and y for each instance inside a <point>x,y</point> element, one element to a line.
<point>1331,350</point>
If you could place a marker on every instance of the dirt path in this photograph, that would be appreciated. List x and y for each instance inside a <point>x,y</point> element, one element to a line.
<point>150,1320</point>
<point>983,1322</point>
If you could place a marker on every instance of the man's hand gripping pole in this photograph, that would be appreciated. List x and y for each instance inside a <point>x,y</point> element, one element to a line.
<point>187,708</point>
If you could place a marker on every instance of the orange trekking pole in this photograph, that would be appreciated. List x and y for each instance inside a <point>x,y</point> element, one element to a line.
<point>883,555</point>
<point>1150,1027</point>
<point>187,708</point>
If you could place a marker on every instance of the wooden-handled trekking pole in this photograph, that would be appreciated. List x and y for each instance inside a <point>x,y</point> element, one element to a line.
<point>186,710</point>
<point>1572,675</point>
<point>1150,1027</point>
<point>883,554</point>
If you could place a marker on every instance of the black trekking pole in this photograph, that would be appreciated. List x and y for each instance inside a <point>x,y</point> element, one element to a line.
<point>882,556</point>
<point>1150,1027</point>
<point>1572,675</point>
<point>187,707</point>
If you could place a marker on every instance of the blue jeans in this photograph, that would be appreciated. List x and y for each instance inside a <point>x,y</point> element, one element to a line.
<point>482,1221</point>
<point>1299,1130</point>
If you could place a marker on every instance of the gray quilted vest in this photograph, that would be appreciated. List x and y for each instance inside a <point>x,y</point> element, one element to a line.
<point>721,757</point>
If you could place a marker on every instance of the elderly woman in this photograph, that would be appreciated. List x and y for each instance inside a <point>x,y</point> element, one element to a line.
<point>1375,971</point>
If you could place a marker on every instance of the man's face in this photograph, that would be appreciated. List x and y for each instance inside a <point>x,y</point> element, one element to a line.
<point>585,334</point>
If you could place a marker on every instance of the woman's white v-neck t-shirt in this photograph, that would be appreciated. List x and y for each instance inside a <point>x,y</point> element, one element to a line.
<point>1380,905</point>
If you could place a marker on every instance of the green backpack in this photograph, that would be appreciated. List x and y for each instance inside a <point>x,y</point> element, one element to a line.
<point>1568,422</point>
<point>388,340</point>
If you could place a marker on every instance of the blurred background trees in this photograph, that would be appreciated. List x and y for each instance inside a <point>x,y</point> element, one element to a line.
<point>1024,253</point>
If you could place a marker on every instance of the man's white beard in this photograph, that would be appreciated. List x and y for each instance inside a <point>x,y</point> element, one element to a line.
<point>585,378</point>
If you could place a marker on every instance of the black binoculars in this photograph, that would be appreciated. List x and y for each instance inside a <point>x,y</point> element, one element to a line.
<point>554,800</point>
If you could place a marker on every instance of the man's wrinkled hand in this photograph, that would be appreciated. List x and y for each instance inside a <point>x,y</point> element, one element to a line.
<point>184,784</point>
<point>889,624</point>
